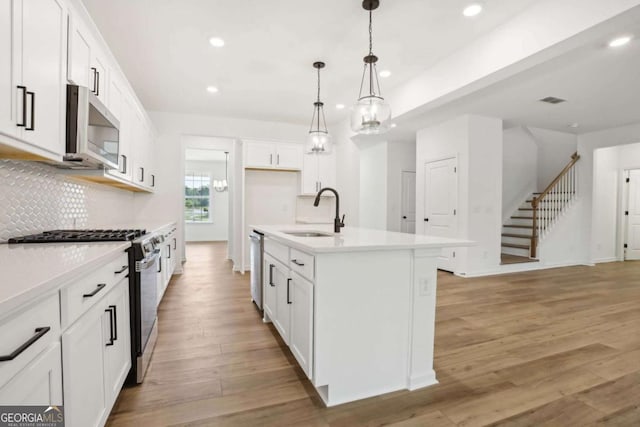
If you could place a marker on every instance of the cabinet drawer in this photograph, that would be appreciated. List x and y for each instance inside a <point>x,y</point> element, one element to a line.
<point>25,335</point>
<point>302,263</point>
<point>77,298</point>
<point>277,250</point>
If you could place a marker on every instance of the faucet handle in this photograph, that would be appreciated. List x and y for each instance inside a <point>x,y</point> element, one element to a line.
<point>342,221</point>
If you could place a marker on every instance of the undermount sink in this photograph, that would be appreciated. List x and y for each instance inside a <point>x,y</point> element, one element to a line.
<point>307,233</point>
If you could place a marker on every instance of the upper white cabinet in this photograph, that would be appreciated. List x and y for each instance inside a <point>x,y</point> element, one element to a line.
<point>273,155</point>
<point>319,171</point>
<point>79,51</point>
<point>32,42</point>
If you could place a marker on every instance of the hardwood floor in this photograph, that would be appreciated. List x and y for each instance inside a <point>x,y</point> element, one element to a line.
<point>547,348</point>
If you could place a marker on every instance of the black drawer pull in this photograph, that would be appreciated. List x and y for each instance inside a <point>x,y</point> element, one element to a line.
<point>124,267</point>
<point>24,107</point>
<point>111,335</point>
<point>95,80</point>
<point>39,332</point>
<point>33,111</point>
<point>97,289</point>
<point>298,263</point>
<point>271,266</point>
<point>288,283</point>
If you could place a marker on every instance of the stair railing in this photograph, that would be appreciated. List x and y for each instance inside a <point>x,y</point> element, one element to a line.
<point>552,201</point>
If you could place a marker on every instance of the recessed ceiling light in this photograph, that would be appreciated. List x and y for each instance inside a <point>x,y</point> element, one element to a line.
<point>216,42</point>
<point>212,89</point>
<point>574,125</point>
<point>340,106</point>
<point>385,73</point>
<point>393,125</point>
<point>472,10</point>
<point>620,41</point>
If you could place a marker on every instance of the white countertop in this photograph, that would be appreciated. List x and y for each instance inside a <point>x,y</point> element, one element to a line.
<point>352,239</point>
<point>28,271</point>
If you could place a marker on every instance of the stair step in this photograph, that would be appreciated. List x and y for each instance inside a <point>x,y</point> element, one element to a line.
<point>522,217</point>
<point>513,245</point>
<point>525,209</point>
<point>519,226</point>
<point>517,236</point>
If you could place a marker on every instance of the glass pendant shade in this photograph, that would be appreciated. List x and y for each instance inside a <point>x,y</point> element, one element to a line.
<point>370,115</point>
<point>222,185</point>
<point>319,140</point>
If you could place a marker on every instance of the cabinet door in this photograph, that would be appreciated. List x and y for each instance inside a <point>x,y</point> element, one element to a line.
<point>289,156</point>
<point>43,72</point>
<point>310,182</point>
<point>282,320</point>
<point>126,118</point>
<point>79,51</point>
<point>260,155</point>
<point>327,170</point>
<point>9,91</point>
<point>301,337</point>
<point>117,357</point>
<point>83,364</point>
<point>98,77</point>
<point>39,383</point>
<point>269,300</point>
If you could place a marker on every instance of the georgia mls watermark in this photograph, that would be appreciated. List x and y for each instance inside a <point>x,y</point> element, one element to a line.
<point>31,416</point>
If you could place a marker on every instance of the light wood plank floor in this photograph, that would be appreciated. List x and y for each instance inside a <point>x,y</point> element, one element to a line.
<point>548,348</point>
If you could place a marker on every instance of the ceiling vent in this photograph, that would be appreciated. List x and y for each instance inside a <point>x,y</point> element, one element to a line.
<point>553,100</point>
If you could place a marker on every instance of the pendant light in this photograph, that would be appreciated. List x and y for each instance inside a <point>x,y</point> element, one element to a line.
<point>319,140</point>
<point>223,185</point>
<point>370,115</point>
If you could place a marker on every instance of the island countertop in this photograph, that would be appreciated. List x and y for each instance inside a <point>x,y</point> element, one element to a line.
<point>353,239</point>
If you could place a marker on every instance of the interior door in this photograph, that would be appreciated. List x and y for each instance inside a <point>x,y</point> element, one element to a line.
<point>408,202</point>
<point>632,251</point>
<point>440,205</point>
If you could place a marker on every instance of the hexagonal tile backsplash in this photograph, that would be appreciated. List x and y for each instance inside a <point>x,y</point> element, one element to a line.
<point>35,197</point>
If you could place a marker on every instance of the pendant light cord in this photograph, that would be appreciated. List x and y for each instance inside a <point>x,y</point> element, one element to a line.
<point>370,32</point>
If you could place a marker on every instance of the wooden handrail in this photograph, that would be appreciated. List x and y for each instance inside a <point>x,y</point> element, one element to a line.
<point>535,202</point>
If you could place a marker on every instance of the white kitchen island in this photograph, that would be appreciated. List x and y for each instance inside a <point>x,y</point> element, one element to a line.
<point>357,308</point>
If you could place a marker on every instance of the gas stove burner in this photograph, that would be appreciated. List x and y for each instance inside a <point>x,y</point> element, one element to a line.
<point>93,235</point>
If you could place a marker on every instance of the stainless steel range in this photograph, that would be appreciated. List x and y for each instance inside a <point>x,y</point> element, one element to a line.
<point>144,264</point>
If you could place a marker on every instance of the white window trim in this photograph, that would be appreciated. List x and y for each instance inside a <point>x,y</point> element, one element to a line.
<point>210,196</point>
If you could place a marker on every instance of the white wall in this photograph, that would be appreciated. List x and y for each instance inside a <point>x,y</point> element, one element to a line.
<point>519,168</point>
<point>218,228</point>
<point>166,203</point>
<point>554,153</point>
<point>401,156</point>
<point>477,143</point>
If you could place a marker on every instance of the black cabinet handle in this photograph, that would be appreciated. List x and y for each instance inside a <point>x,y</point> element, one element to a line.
<point>298,263</point>
<point>98,289</point>
<point>24,107</point>
<point>278,159</point>
<point>124,164</point>
<point>33,111</point>
<point>169,246</point>
<point>111,334</point>
<point>175,243</point>
<point>95,80</point>
<point>141,174</point>
<point>153,180</point>
<point>39,332</point>
<point>98,84</point>
<point>404,217</point>
<point>426,220</point>
<point>115,322</point>
<point>124,267</point>
<point>288,283</point>
<point>160,265</point>
<point>271,274</point>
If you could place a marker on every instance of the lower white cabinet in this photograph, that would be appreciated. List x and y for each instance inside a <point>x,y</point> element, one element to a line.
<point>39,383</point>
<point>288,303</point>
<point>96,359</point>
<point>301,331</point>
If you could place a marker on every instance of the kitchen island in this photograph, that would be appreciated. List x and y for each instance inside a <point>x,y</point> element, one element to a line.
<point>356,308</point>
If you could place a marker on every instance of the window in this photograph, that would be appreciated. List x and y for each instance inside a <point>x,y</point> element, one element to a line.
<point>197,200</point>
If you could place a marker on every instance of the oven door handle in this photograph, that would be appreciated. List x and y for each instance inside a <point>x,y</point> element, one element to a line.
<point>149,260</point>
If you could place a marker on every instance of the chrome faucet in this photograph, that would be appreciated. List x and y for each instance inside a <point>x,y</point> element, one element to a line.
<point>337,222</point>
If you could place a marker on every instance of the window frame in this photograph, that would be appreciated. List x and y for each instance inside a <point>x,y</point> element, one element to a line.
<point>185,197</point>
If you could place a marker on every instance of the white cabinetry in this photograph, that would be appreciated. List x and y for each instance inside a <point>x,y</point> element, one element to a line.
<point>97,358</point>
<point>319,171</point>
<point>168,259</point>
<point>32,43</point>
<point>288,299</point>
<point>79,50</point>
<point>273,155</point>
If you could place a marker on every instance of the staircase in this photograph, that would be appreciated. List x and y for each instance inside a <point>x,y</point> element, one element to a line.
<point>531,222</point>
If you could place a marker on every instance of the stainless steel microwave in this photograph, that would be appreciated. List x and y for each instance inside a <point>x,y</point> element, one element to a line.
<point>93,133</point>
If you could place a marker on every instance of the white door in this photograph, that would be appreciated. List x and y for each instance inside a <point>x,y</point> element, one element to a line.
<point>408,202</point>
<point>259,154</point>
<point>289,156</point>
<point>440,205</point>
<point>632,251</point>
<point>310,182</point>
<point>44,72</point>
<point>301,338</point>
<point>10,95</point>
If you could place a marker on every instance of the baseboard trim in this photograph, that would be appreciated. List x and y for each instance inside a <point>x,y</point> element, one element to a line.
<point>421,381</point>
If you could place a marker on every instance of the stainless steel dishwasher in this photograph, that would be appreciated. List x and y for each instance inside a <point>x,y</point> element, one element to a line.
<point>256,257</point>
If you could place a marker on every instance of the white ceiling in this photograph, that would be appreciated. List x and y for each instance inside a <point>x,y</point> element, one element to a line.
<point>601,86</point>
<point>204,155</point>
<point>264,70</point>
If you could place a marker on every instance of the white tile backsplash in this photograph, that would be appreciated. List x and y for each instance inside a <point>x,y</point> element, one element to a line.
<point>35,197</point>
